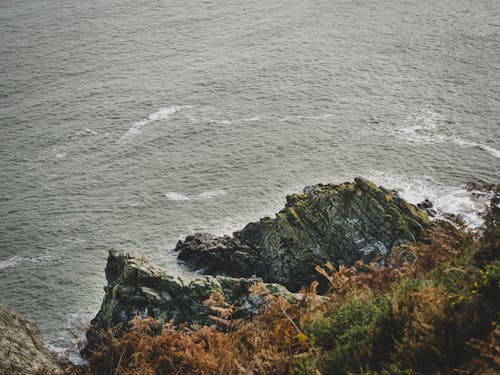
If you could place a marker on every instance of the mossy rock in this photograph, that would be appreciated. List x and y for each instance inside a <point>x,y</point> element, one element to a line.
<point>337,223</point>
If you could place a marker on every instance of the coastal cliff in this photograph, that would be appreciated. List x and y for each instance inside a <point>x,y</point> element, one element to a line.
<point>326,223</point>
<point>22,349</point>
<point>429,305</point>
<point>138,288</point>
<point>340,224</point>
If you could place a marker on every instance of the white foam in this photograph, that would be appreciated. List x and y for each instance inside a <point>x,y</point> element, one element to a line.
<point>420,127</point>
<point>446,199</point>
<point>491,150</point>
<point>161,114</point>
<point>68,354</point>
<point>16,260</point>
<point>227,227</point>
<point>211,194</point>
<point>305,117</point>
<point>251,119</point>
<point>173,196</point>
<point>12,262</point>
<point>213,121</point>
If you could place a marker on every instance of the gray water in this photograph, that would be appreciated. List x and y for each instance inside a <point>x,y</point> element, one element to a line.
<point>130,124</point>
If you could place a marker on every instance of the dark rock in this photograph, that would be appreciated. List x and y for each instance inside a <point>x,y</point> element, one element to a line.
<point>337,223</point>
<point>22,350</point>
<point>427,205</point>
<point>137,288</point>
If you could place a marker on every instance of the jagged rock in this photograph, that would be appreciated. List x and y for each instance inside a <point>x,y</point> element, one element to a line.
<point>427,205</point>
<point>22,350</point>
<point>137,288</point>
<point>337,223</point>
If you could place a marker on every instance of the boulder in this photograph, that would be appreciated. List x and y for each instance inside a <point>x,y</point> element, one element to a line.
<point>22,350</point>
<point>137,288</point>
<point>337,223</point>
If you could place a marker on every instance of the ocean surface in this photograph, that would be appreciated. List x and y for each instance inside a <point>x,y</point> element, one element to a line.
<point>131,124</point>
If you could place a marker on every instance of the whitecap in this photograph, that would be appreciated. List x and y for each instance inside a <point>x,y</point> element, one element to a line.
<point>211,194</point>
<point>161,114</point>
<point>173,196</point>
<point>251,119</point>
<point>12,262</point>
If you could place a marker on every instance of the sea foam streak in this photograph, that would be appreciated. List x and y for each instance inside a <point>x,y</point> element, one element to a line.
<point>12,262</point>
<point>161,114</point>
<point>491,150</point>
<point>16,260</point>
<point>421,128</point>
<point>173,196</point>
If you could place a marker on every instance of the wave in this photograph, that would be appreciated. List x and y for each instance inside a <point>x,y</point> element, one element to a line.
<point>12,262</point>
<point>16,260</point>
<point>161,114</point>
<point>418,127</point>
<point>211,194</point>
<point>421,127</point>
<point>250,119</point>
<point>173,196</point>
<point>446,199</point>
<point>491,150</point>
<point>304,117</point>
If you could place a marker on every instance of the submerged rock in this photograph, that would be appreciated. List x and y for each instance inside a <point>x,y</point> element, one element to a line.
<point>337,223</point>
<point>22,350</point>
<point>137,288</point>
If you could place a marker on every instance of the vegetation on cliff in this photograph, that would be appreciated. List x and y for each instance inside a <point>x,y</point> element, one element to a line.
<point>428,307</point>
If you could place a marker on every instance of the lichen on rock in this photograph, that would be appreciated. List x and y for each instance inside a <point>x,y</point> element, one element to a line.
<point>337,223</point>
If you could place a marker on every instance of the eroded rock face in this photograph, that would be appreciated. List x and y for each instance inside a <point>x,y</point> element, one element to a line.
<point>337,223</point>
<point>22,350</point>
<point>137,288</point>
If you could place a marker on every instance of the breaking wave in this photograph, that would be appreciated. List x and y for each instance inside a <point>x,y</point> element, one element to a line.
<point>211,194</point>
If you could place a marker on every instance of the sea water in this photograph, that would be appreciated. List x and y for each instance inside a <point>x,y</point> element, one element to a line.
<point>131,124</point>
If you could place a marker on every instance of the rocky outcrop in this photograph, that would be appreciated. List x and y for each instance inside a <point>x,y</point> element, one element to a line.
<point>22,350</point>
<point>137,288</point>
<point>337,223</point>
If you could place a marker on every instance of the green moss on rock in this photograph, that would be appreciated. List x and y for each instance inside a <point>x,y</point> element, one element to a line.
<point>327,222</point>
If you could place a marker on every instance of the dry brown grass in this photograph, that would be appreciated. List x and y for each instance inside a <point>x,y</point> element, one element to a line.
<point>429,308</point>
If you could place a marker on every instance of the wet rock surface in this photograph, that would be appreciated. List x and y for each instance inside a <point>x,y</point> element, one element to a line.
<point>138,288</point>
<point>337,223</point>
<point>22,350</point>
